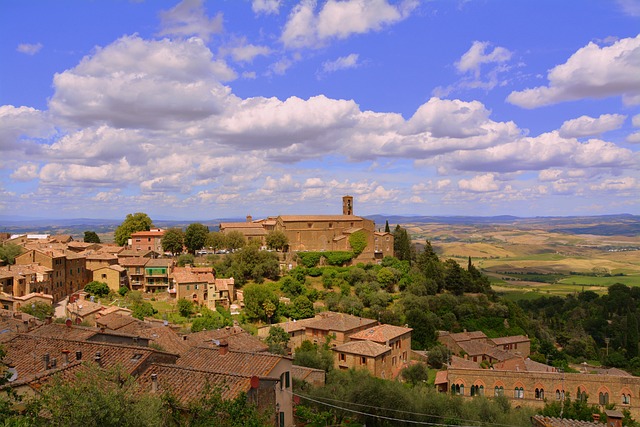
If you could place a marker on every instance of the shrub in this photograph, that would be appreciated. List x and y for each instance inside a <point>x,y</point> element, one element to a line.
<point>338,257</point>
<point>309,259</point>
<point>358,242</point>
<point>98,289</point>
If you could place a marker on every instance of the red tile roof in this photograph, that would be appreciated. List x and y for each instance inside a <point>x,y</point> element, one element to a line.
<point>381,333</point>
<point>340,322</point>
<point>234,362</point>
<point>237,338</point>
<point>363,348</point>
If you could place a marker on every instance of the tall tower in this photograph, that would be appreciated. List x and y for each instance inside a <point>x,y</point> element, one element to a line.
<point>347,205</point>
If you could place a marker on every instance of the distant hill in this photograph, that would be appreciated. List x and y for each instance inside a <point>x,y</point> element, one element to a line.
<point>605,225</point>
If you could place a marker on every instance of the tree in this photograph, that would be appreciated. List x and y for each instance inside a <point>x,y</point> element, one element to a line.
<point>386,227</point>
<point>142,309</point>
<point>99,289</point>
<point>216,240</point>
<point>185,259</point>
<point>133,223</point>
<point>41,310</point>
<point>173,241</point>
<point>277,340</point>
<point>302,308</point>
<point>277,240</point>
<point>415,374</point>
<point>401,244</point>
<point>255,298</point>
<point>9,252</point>
<point>235,240</point>
<point>91,237</point>
<point>185,307</point>
<point>195,237</point>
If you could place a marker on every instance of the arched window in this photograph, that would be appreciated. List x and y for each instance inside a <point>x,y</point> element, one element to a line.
<point>626,399</point>
<point>498,391</point>
<point>461,390</point>
<point>603,398</point>
<point>481,390</point>
<point>518,393</point>
<point>557,394</point>
<point>473,390</point>
<point>542,393</point>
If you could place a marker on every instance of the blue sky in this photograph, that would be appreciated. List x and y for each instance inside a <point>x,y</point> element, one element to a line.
<point>208,109</point>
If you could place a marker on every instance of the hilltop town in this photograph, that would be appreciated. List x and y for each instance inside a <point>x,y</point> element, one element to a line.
<point>273,309</point>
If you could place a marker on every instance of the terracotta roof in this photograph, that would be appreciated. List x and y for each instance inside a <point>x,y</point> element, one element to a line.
<point>158,262</point>
<point>241,225</point>
<point>134,261</point>
<point>541,420</point>
<point>234,362</point>
<point>165,338</point>
<point>459,362</point>
<point>223,284</point>
<point>113,249</point>
<point>302,372</point>
<point>115,321</point>
<point>237,338</point>
<point>510,340</point>
<point>116,267</point>
<point>91,255</point>
<point>188,384</point>
<point>341,322</point>
<point>60,330</point>
<point>84,307</point>
<point>442,377</point>
<point>62,238</point>
<point>133,252</point>
<point>466,336</point>
<point>319,218</point>
<point>380,333</point>
<point>150,233</point>
<point>188,276</point>
<point>363,348</point>
<point>27,353</point>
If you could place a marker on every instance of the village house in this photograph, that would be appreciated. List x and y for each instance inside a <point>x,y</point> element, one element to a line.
<point>134,267</point>
<point>147,240</point>
<point>156,274</point>
<point>115,276</point>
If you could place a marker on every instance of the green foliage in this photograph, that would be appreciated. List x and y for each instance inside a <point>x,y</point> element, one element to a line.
<point>314,356</point>
<point>397,401</point>
<point>577,409</point>
<point>195,237</point>
<point>277,340</point>
<point>338,257</point>
<point>186,308</point>
<point>438,356</point>
<point>401,244</point>
<point>98,289</point>
<point>142,309</point>
<point>309,259</point>
<point>358,242</point>
<point>211,320</point>
<point>276,240</point>
<point>216,240</point>
<point>185,259</point>
<point>235,240</point>
<point>173,241</point>
<point>91,237</point>
<point>41,310</point>
<point>256,302</point>
<point>415,374</point>
<point>9,252</point>
<point>250,263</point>
<point>291,287</point>
<point>123,290</point>
<point>138,221</point>
<point>302,308</point>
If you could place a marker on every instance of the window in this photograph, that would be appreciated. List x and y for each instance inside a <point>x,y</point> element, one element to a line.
<point>626,399</point>
<point>603,398</point>
<point>363,360</point>
<point>539,393</point>
<point>342,357</point>
<point>518,393</point>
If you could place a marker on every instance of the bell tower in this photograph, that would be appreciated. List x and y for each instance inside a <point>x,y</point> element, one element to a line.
<point>347,205</point>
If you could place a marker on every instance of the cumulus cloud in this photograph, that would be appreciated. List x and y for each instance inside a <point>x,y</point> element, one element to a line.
<point>476,56</point>
<point>247,52</point>
<point>26,172</point>
<point>634,138</point>
<point>630,7</point>
<point>479,184</point>
<point>339,20</point>
<point>135,82</point>
<point>591,72</point>
<point>635,120</point>
<point>22,123</point>
<point>589,126</point>
<point>342,63</point>
<point>189,18</point>
<point>619,184</point>
<point>29,48</point>
<point>267,7</point>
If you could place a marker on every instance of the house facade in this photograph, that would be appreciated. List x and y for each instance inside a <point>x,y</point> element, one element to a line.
<point>147,240</point>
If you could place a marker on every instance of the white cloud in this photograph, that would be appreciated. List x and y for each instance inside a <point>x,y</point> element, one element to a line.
<point>134,82</point>
<point>635,120</point>
<point>591,72</point>
<point>26,172</point>
<point>475,57</point>
<point>630,7</point>
<point>589,126</point>
<point>22,123</point>
<point>247,52</point>
<point>340,19</point>
<point>634,138</point>
<point>342,63</point>
<point>28,48</point>
<point>267,7</point>
<point>619,184</point>
<point>479,184</point>
<point>188,18</point>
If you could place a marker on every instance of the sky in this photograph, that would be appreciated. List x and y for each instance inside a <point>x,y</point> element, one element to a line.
<point>204,109</point>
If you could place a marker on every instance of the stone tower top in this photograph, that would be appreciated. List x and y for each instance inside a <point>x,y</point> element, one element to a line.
<point>347,205</point>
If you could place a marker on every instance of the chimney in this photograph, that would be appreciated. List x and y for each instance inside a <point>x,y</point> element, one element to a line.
<point>78,355</point>
<point>54,363</point>
<point>98,359</point>
<point>45,359</point>
<point>596,417</point>
<point>249,218</point>
<point>154,383</point>
<point>223,347</point>
<point>65,353</point>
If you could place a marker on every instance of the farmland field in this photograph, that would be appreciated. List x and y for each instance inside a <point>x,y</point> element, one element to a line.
<point>533,258</point>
